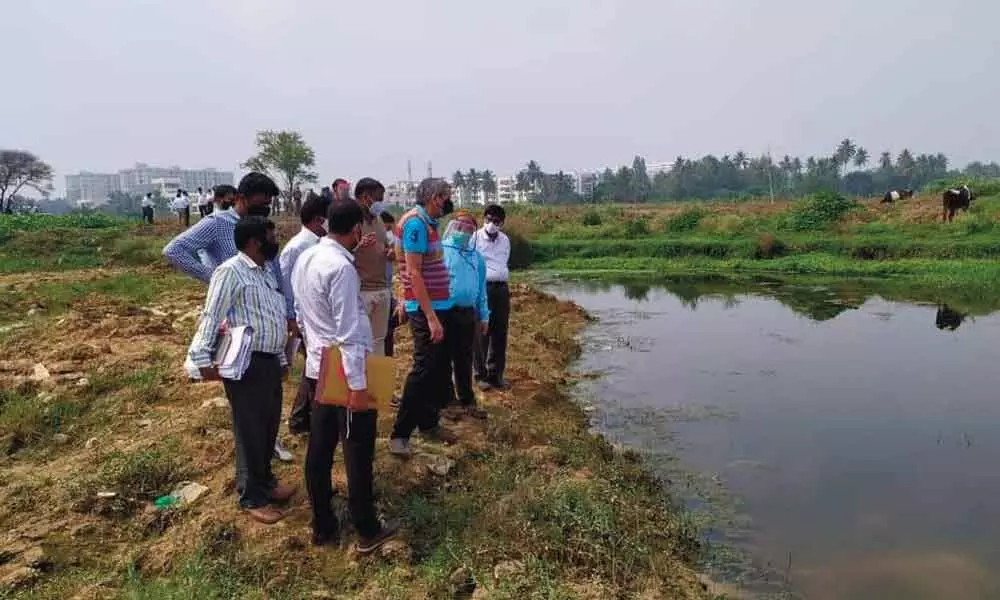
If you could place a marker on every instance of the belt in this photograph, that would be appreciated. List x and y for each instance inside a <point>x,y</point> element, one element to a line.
<point>267,355</point>
<point>496,283</point>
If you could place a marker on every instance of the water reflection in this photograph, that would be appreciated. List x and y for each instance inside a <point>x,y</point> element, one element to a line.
<point>858,440</point>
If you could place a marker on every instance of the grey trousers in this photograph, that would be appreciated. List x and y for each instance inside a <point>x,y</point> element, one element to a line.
<point>255,401</point>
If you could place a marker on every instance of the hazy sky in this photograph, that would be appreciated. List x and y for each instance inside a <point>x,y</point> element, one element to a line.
<point>573,84</point>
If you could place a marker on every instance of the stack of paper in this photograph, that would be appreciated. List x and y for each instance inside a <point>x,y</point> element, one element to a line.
<point>232,357</point>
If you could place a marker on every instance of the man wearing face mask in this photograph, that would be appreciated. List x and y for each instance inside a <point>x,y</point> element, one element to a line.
<point>428,305</point>
<point>494,245</point>
<point>371,257</point>
<point>313,217</point>
<point>213,238</point>
<point>243,292</point>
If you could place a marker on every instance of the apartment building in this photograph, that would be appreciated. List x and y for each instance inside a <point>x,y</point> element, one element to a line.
<point>94,188</point>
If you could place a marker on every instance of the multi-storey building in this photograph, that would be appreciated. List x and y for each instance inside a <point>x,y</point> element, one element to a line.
<point>94,188</point>
<point>91,188</point>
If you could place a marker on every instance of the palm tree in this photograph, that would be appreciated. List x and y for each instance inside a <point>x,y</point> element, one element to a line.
<point>740,160</point>
<point>458,184</point>
<point>474,184</point>
<point>489,184</point>
<point>536,177</point>
<point>885,162</point>
<point>860,158</point>
<point>845,152</point>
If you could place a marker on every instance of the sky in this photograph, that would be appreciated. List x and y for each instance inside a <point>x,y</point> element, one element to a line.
<point>574,84</point>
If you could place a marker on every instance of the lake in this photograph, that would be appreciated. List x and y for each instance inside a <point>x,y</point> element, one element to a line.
<point>847,444</point>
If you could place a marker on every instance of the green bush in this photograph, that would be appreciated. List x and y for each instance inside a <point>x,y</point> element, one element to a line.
<point>817,212</point>
<point>637,227</point>
<point>686,220</point>
<point>592,218</point>
<point>520,251</point>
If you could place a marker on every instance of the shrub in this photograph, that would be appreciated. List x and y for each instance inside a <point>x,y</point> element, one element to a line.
<point>686,220</point>
<point>638,226</point>
<point>592,218</point>
<point>817,212</point>
<point>520,251</point>
<point>769,246</point>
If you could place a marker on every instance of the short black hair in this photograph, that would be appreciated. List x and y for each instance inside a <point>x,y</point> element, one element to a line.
<point>251,228</point>
<point>313,207</point>
<point>338,181</point>
<point>224,191</point>
<point>257,184</point>
<point>496,211</point>
<point>367,185</point>
<point>387,217</point>
<point>343,217</point>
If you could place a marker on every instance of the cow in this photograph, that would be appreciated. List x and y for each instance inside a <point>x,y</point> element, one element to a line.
<point>948,318</point>
<point>954,200</point>
<point>893,195</point>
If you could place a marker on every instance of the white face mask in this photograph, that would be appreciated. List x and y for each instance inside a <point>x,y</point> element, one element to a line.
<point>492,228</point>
<point>376,209</point>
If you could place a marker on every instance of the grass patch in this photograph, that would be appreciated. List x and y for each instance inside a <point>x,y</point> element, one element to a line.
<point>135,477</point>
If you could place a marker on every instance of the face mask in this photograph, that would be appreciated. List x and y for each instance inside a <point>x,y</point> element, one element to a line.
<point>376,209</point>
<point>492,228</point>
<point>259,210</point>
<point>447,207</point>
<point>269,250</point>
<point>460,239</point>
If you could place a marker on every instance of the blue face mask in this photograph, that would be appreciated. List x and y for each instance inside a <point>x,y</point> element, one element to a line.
<point>376,209</point>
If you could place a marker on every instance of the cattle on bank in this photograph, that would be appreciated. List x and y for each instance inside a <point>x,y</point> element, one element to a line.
<point>894,195</point>
<point>954,200</point>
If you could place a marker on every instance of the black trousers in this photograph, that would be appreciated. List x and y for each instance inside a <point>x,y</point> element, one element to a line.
<point>491,355</point>
<point>426,388</point>
<point>147,214</point>
<point>359,430</point>
<point>393,324</point>
<point>299,421</point>
<point>255,401</point>
<point>461,341</point>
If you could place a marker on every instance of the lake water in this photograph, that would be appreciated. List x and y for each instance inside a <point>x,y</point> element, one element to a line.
<point>860,436</point>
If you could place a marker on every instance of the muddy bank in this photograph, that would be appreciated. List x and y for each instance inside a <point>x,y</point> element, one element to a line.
<point>97,420</point>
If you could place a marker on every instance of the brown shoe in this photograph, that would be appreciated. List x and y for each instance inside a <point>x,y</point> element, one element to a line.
<point>283,492</point>
<point>267,515</point>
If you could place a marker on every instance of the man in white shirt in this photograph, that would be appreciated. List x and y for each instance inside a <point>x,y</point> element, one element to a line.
<point>147,209</point>
<point>182,206</point>
<point>494,245</point>
<point>331,313</point>
<point>313,217</point>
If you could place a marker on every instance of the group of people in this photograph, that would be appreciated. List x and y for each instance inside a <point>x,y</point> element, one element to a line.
<point>332,285</point>
<point>181,205</point>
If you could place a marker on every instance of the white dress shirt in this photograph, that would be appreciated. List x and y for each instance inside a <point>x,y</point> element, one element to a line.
<point>496,253</point>
<point>330,310</point>
<point>290,255</point>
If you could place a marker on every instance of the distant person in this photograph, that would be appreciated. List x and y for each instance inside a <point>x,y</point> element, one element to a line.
<point>243,292</point>
<point>328,297</point>
<point>276,204</point>
<point>494,245</point>
<point>297,200</point>
<point>470,315</point>
<point>428,307</point>
<point>215,236</point>
<point>341,189</point>
<point>371,259</point>
<point>313,217</point>
<point>204,203</point>
<point>182,206</point>
<point>326,193</point>
<point>147,208</point>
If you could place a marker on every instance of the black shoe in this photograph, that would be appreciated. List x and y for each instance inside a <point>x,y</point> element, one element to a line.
<point>326,537</point>
<point>484,385</point>
<point>500,384</point>
<point>475,412</point>
<point>388,531</point>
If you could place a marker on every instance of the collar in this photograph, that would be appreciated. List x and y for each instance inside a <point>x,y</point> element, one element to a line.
<point>248,261</point>
<point>309,233</point>
<point>423,213</point>
<point>229,214</point>
<point>338,247</point>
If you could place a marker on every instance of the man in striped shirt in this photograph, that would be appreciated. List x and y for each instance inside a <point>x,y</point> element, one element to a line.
<point>245,293</point>
<point>428,305</point>
<point>212,239</point>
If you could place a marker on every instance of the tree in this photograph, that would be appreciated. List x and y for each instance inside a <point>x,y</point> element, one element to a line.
<point>287,154</point>
<point>860,158</point>
<point>489,185</point>
<point>473,183</point>
<point>740,160</point>
<point>845,152</point>
<point>458,183</point>
<point>20,169</point>
<point>885,162</point>
<point>640,184</point>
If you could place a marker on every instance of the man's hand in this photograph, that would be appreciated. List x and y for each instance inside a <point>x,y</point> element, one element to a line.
<point>293,328</point>
<point>484,327</point>
<point>437,331</point>
<point>367,240</point>
<point>209,373</point>
<point>359,400</point>
<point>284,372</point>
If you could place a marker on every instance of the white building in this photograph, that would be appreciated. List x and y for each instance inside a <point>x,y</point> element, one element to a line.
<point>91,188</point>
<point>166,187</point>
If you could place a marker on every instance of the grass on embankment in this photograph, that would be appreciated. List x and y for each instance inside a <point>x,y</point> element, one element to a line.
<point>535,506</point>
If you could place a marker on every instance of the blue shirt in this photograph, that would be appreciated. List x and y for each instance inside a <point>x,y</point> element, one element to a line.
<point>213,237</point>
<point>414,241</point>
<point>467,275</point>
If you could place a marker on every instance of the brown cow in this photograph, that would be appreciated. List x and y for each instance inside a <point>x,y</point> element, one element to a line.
<point>954,200</point>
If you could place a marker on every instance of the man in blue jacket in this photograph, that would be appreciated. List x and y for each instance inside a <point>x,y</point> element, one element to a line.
<point>471,316</point>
